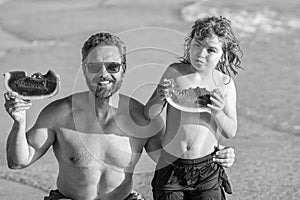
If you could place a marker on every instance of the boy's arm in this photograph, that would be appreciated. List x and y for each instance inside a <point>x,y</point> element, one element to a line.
<point>24,148</point>
<point>227,118</point>
<point>155,105</point>
<point>154,145</point>
<point>157,101</point>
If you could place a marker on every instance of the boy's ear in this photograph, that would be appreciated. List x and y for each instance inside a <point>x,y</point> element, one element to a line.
<point>224,58</point>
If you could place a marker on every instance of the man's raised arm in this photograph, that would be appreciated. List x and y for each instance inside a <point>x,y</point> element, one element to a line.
<point>23,148</point>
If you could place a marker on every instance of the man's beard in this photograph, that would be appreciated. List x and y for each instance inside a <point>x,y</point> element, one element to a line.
<point>103,92</point>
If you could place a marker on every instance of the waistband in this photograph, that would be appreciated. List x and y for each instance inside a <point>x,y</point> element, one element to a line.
<point>167,157</point>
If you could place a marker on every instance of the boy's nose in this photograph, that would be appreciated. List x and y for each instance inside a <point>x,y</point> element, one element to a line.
<point>203,53</point>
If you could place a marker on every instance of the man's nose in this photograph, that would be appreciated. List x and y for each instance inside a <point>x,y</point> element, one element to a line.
<point>103,70</point>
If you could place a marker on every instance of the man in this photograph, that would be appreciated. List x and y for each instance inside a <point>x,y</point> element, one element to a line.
<point>97,136</point>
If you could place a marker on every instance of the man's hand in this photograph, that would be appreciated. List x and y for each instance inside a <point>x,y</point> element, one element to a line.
<point>16,107</point>
<point>224,156</point>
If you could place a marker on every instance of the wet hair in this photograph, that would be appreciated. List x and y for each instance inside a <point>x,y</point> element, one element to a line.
<point>104,39</point>
<point>221,27</point>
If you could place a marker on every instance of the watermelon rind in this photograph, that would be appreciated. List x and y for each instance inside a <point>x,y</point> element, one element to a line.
<point>187,109</point>
<point>8,75</point>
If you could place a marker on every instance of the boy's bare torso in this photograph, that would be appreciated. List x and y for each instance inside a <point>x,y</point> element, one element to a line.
<point>97,154</point>
<point>191,135</point>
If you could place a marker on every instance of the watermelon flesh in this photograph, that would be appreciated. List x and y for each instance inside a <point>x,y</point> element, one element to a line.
<point>36,86</point>
<point>191,97</point>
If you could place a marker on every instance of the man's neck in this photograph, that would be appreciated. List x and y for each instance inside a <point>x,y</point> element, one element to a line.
<point>102,106</point>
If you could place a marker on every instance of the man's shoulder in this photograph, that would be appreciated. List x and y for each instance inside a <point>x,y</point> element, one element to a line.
<point>142,126</point>
<point>131,104</point>
<point>134,108</point>
<point>60,105</point>
<point>61,108</point>
<point>54,113</point>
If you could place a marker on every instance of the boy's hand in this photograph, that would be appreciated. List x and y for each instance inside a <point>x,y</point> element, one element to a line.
<point>224,156</point>
<point>218,101</point>
<point>16,107</point>
<point>163,90</point>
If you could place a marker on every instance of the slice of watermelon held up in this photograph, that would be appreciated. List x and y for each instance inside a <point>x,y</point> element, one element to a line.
<point>35,87</point>
<point>190,100</point>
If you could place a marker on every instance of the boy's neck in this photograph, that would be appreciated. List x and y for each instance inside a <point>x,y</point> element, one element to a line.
<point>205,73</point>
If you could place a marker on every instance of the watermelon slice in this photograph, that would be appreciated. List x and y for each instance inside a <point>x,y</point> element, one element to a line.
<point>189,100</point>
<point>34,87</point>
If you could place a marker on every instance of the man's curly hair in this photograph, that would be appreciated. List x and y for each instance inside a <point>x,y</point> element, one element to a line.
<point>104,39</point>
<point>220,27</point>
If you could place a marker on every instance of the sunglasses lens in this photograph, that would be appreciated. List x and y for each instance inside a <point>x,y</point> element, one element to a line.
<point>93,67</point>
<point>113,67</point>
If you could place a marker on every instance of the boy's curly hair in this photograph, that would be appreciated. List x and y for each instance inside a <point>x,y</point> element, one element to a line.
<point>220,27</point>
<point>104,39</point>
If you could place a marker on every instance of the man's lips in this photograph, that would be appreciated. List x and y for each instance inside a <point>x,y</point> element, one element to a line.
<point>104,82</point>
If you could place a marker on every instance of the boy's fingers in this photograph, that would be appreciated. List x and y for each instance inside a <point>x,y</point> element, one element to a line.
<point>218,92</point>
<point>217,96</point>
<point>215,101</point>
<point>220,147</point>
<point>212,107</point>
<point>165,82</point>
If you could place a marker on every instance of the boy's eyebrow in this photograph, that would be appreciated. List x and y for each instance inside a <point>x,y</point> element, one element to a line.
<point>202,43</point>
<point>214,48</point>
<point>206,45</point>
<point>211,47</point>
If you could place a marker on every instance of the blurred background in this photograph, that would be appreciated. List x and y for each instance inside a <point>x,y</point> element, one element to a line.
<point>48,34</point>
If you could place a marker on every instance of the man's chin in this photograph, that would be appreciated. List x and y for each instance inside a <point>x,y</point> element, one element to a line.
<point>103,95</point>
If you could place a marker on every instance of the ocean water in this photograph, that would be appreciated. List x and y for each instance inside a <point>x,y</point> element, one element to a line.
<point>269,88</point>
<point>247,21</point>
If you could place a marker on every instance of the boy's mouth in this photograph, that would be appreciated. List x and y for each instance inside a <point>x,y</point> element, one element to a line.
<point>199,61</point>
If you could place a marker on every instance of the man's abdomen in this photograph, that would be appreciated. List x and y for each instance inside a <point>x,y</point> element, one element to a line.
<point>98,182</point>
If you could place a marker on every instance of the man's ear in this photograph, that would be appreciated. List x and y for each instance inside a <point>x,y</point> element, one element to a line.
<point>83,67</point>
<point>124,67</point>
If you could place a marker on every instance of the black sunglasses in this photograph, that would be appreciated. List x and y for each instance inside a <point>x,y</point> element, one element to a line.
<point>111,67</point>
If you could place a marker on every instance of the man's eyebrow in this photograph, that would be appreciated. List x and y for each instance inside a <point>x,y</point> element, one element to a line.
<point>113,57</point>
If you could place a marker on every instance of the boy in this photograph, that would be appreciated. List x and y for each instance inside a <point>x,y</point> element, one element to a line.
<point>186,169</point>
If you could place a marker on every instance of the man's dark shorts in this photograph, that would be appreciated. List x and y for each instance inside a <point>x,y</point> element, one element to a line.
<point>56,195</point>
<point>195,179</point>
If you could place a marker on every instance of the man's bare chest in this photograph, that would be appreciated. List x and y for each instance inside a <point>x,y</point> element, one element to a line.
<point>103,149</point>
